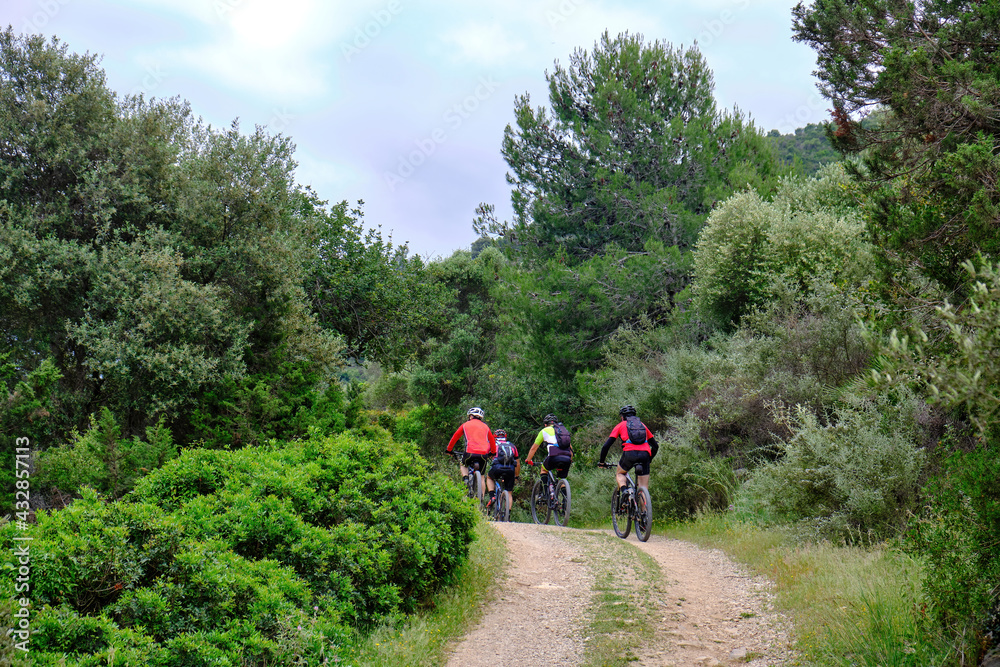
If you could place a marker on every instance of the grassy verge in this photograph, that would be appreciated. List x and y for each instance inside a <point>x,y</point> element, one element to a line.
<point>622,613</point>
<point>423,639</point>
<point>850,605</point>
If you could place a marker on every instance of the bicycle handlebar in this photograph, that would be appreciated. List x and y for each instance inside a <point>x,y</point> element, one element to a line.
<point>607,465</point>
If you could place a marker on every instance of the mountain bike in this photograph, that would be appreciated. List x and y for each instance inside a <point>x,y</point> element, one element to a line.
<point>499,510</point>
<point>636,506</point>
<point>550,497</point>
<point>474,482</point>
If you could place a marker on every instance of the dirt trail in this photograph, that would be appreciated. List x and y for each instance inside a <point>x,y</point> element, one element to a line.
<point>712,613</point>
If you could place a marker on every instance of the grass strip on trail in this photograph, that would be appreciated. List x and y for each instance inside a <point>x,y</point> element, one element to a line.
<point>421,641</point>
<point>623,610</point>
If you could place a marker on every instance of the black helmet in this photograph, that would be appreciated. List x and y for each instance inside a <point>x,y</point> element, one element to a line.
<point>549,419</point>
<point>476,413</point>
<point>627,411</point>
<point>500,432</point>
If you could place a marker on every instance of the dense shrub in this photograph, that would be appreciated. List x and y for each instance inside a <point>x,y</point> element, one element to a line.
<point>809,228</point>
<point>857,476</point>
<point>101,459</point>
<point>957,533</point>
<point>685,478</point>
<point>224,557</point>
<point>658,376</point>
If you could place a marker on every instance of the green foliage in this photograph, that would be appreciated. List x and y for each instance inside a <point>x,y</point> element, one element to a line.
<point>101,459</point>
<point>280,405</point>
<point>26,408</point>
<point>647,368</point>
<point>369,291</point>
<point>929,150</point>
<point>686,479</point>
<point>957,533</point>
<point>461,342</point>
<point>963,370</point>
<point>632,150</point>
<point>251,555</point>
<point>154,260</point>
<point>854,479</point>
<point>749,245</point>
<point>807,148</point>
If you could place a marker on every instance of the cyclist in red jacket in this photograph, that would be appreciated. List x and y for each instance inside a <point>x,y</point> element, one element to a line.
<point>480,442</point>
<point>638,447</point>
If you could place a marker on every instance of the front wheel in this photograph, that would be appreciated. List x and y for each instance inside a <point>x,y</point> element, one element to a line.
<point>620,517</point>
<point>561,509</point>
<point>643,514</point>
<point>539,503</point>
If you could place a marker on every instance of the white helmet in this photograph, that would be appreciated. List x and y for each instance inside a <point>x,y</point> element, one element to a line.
<point>477,413</point>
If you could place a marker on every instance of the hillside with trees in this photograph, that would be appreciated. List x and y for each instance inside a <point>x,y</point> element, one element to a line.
<point>807,148</point>
<point>812,337</point>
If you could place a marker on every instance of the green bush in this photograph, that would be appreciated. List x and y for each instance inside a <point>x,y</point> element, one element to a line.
<point>685,479</point>
<point>748,245</point>
<point>101,459</point>
<point>856,478</point>
<point>957,533</point>
<point>224,557</point>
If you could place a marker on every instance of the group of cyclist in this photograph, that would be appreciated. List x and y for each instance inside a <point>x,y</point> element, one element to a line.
<point>639,447</point>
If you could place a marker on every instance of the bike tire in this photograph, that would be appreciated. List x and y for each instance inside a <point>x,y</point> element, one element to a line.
<point>643,514</point>
<point>563,498</point>
<point>477,486</point>
<point>503,506</point>
<point>620,520</point>
<point>540,509</point>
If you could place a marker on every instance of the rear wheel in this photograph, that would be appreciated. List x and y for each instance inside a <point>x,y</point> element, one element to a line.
<point>643,514</point>
<point>539,503</point>
<point>503,506</point>
<point>620,518</point>
<point>561,509</point>
<point>476,485</point>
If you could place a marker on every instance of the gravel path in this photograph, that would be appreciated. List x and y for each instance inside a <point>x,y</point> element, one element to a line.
<point>713,613</point>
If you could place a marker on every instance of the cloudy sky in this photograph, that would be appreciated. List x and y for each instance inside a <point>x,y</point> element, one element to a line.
<point>403,103</point>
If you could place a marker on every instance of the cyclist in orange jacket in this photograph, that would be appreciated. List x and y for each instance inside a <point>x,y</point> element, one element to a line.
<point>480,442</point>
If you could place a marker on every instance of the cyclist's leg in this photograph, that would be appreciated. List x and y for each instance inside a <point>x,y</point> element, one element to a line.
<point>507,486</point>
<point>625,463</point>
<point>642,469</point>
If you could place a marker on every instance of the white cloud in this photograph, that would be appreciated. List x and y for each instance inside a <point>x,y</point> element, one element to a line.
<point>483,43</point>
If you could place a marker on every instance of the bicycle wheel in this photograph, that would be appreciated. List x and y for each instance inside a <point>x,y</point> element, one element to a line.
<point>562,502</point>
<point>503,506</point>
<point>621,520</point>
<point>643,514</point>
<point>476,479</point>
<point>539,503</point>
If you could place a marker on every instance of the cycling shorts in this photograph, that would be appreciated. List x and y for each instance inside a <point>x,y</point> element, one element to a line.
<point>637,458</point>
<point>558,464</point>
<point>469,459</point>
<point>503,474</point>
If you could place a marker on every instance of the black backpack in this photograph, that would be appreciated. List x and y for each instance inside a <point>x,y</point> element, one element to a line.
<point>636,430</point>
<point>562,437</point>
<point>505,454</point>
